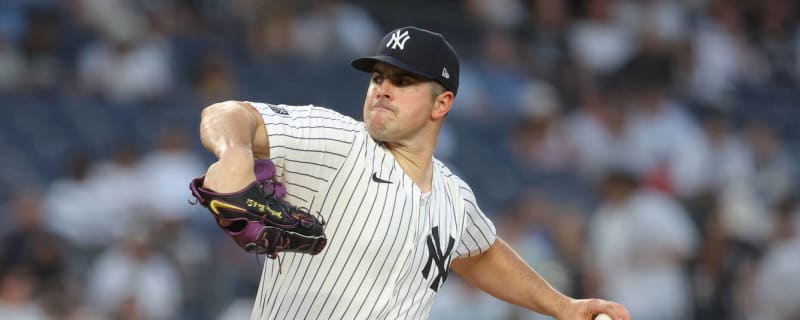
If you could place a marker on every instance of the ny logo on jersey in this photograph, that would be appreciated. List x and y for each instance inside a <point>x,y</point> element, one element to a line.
<point>436,256</point>
<point>398,40</point>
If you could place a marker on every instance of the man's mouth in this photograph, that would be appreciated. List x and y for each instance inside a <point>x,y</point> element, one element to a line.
<point>382,106</point>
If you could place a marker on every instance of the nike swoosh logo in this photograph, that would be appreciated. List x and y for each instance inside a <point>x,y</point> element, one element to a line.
<point>379,180</point>
<point>215,205</point>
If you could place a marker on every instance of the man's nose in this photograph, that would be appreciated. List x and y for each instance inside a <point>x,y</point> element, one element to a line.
<point>384,90</point>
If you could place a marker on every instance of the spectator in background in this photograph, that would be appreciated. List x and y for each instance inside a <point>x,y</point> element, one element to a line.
<point>599,42</point>
<point>728,159</point>
<point>502,75</point>
<point>545,48</point>
<point>71,210</point>
<point>320,30</point>
<point>745,204</point>
<point>778,40</point>
<point>44,68</point>
<point>269,29</point>
<point>41,260</point>
<point>726,162</point>
<point>775,168</point>
<point>161,174</point>
<point>134,279</point>
<point>31,56</point>
<point>721,55</point>
<point>498,14</point>
<point>117,190</point>
<point>666,22</point>
<point>540,142</point>
<point>776,293</point>
<point>597,132</point>
<point>334,27</point>
<point>31,244</point>
<point>17,287</point>
<point>11,63</point>
<point>666,141</point>
<point>639,243</point>
<point>130,62</point>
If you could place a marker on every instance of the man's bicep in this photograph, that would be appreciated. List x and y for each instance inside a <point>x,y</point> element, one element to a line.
<point>462,264</point>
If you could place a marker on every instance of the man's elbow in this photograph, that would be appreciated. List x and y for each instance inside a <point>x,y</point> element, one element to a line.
<point>222,107</point>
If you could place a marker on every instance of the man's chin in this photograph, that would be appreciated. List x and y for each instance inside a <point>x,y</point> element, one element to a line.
<point>377,132</point>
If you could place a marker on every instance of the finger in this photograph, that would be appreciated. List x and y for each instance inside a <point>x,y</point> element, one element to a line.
<point>618,312</point>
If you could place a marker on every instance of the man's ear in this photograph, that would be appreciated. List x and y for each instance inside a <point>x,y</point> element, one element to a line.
<point>442,105</point>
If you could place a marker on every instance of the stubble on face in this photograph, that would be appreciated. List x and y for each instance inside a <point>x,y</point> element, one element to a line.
<point>382,110</point>
<point>380,115</point>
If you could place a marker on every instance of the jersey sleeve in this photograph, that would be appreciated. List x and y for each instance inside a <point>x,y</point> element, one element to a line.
<point>479,232</point>
<point>307,144</point>
<point>307,133</point>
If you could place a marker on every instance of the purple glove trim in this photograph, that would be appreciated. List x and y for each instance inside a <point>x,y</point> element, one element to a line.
<point>264,170</point>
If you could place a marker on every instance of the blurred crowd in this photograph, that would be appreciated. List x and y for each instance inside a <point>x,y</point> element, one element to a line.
<point>644,151</point>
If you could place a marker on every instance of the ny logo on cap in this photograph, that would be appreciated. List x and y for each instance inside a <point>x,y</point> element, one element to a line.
<point>398,40</point>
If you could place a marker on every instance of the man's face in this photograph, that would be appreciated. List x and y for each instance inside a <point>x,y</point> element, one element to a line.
<point>398,103</point>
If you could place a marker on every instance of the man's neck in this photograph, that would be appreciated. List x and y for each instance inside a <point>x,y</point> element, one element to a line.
<point>416,162</point>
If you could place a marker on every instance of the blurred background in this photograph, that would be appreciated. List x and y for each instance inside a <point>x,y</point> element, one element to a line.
<point>637,150</point>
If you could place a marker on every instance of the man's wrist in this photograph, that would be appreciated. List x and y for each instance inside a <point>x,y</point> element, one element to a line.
<point>234,153</point>
<point>561,305</point>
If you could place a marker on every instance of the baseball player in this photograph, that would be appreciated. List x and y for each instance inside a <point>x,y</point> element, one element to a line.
<point>371,223</point>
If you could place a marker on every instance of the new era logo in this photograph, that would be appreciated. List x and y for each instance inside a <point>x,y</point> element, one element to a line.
<point>398,40</point>
<point>445,74</point>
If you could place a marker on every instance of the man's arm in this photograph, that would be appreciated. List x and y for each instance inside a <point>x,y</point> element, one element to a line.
<point>235,132</point>
<point>502,273</point>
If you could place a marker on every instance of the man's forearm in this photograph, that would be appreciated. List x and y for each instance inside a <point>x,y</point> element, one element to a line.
<point>227,125</point>
<point>502,273</point>
<point>231,131</point>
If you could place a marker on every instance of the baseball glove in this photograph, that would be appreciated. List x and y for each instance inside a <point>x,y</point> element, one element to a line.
<point>259,219</point>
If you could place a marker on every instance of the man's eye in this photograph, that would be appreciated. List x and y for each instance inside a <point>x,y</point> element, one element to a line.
<point>377,78</point>
<point>402,82</point>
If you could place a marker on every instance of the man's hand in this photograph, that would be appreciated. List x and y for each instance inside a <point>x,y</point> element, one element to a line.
<point>587,309</point>
<point>259,219</point>
<point>229,174</point>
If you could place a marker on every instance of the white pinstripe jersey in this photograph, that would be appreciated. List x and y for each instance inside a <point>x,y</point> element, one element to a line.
<point>389,245</point>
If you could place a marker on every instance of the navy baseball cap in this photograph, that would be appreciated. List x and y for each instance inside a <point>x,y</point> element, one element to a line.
<point>418,51</point>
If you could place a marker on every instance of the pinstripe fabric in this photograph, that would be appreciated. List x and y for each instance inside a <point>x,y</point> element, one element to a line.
<point>387,242</point>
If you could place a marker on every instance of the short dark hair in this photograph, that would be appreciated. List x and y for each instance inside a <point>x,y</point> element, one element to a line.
<point>436,89</point>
